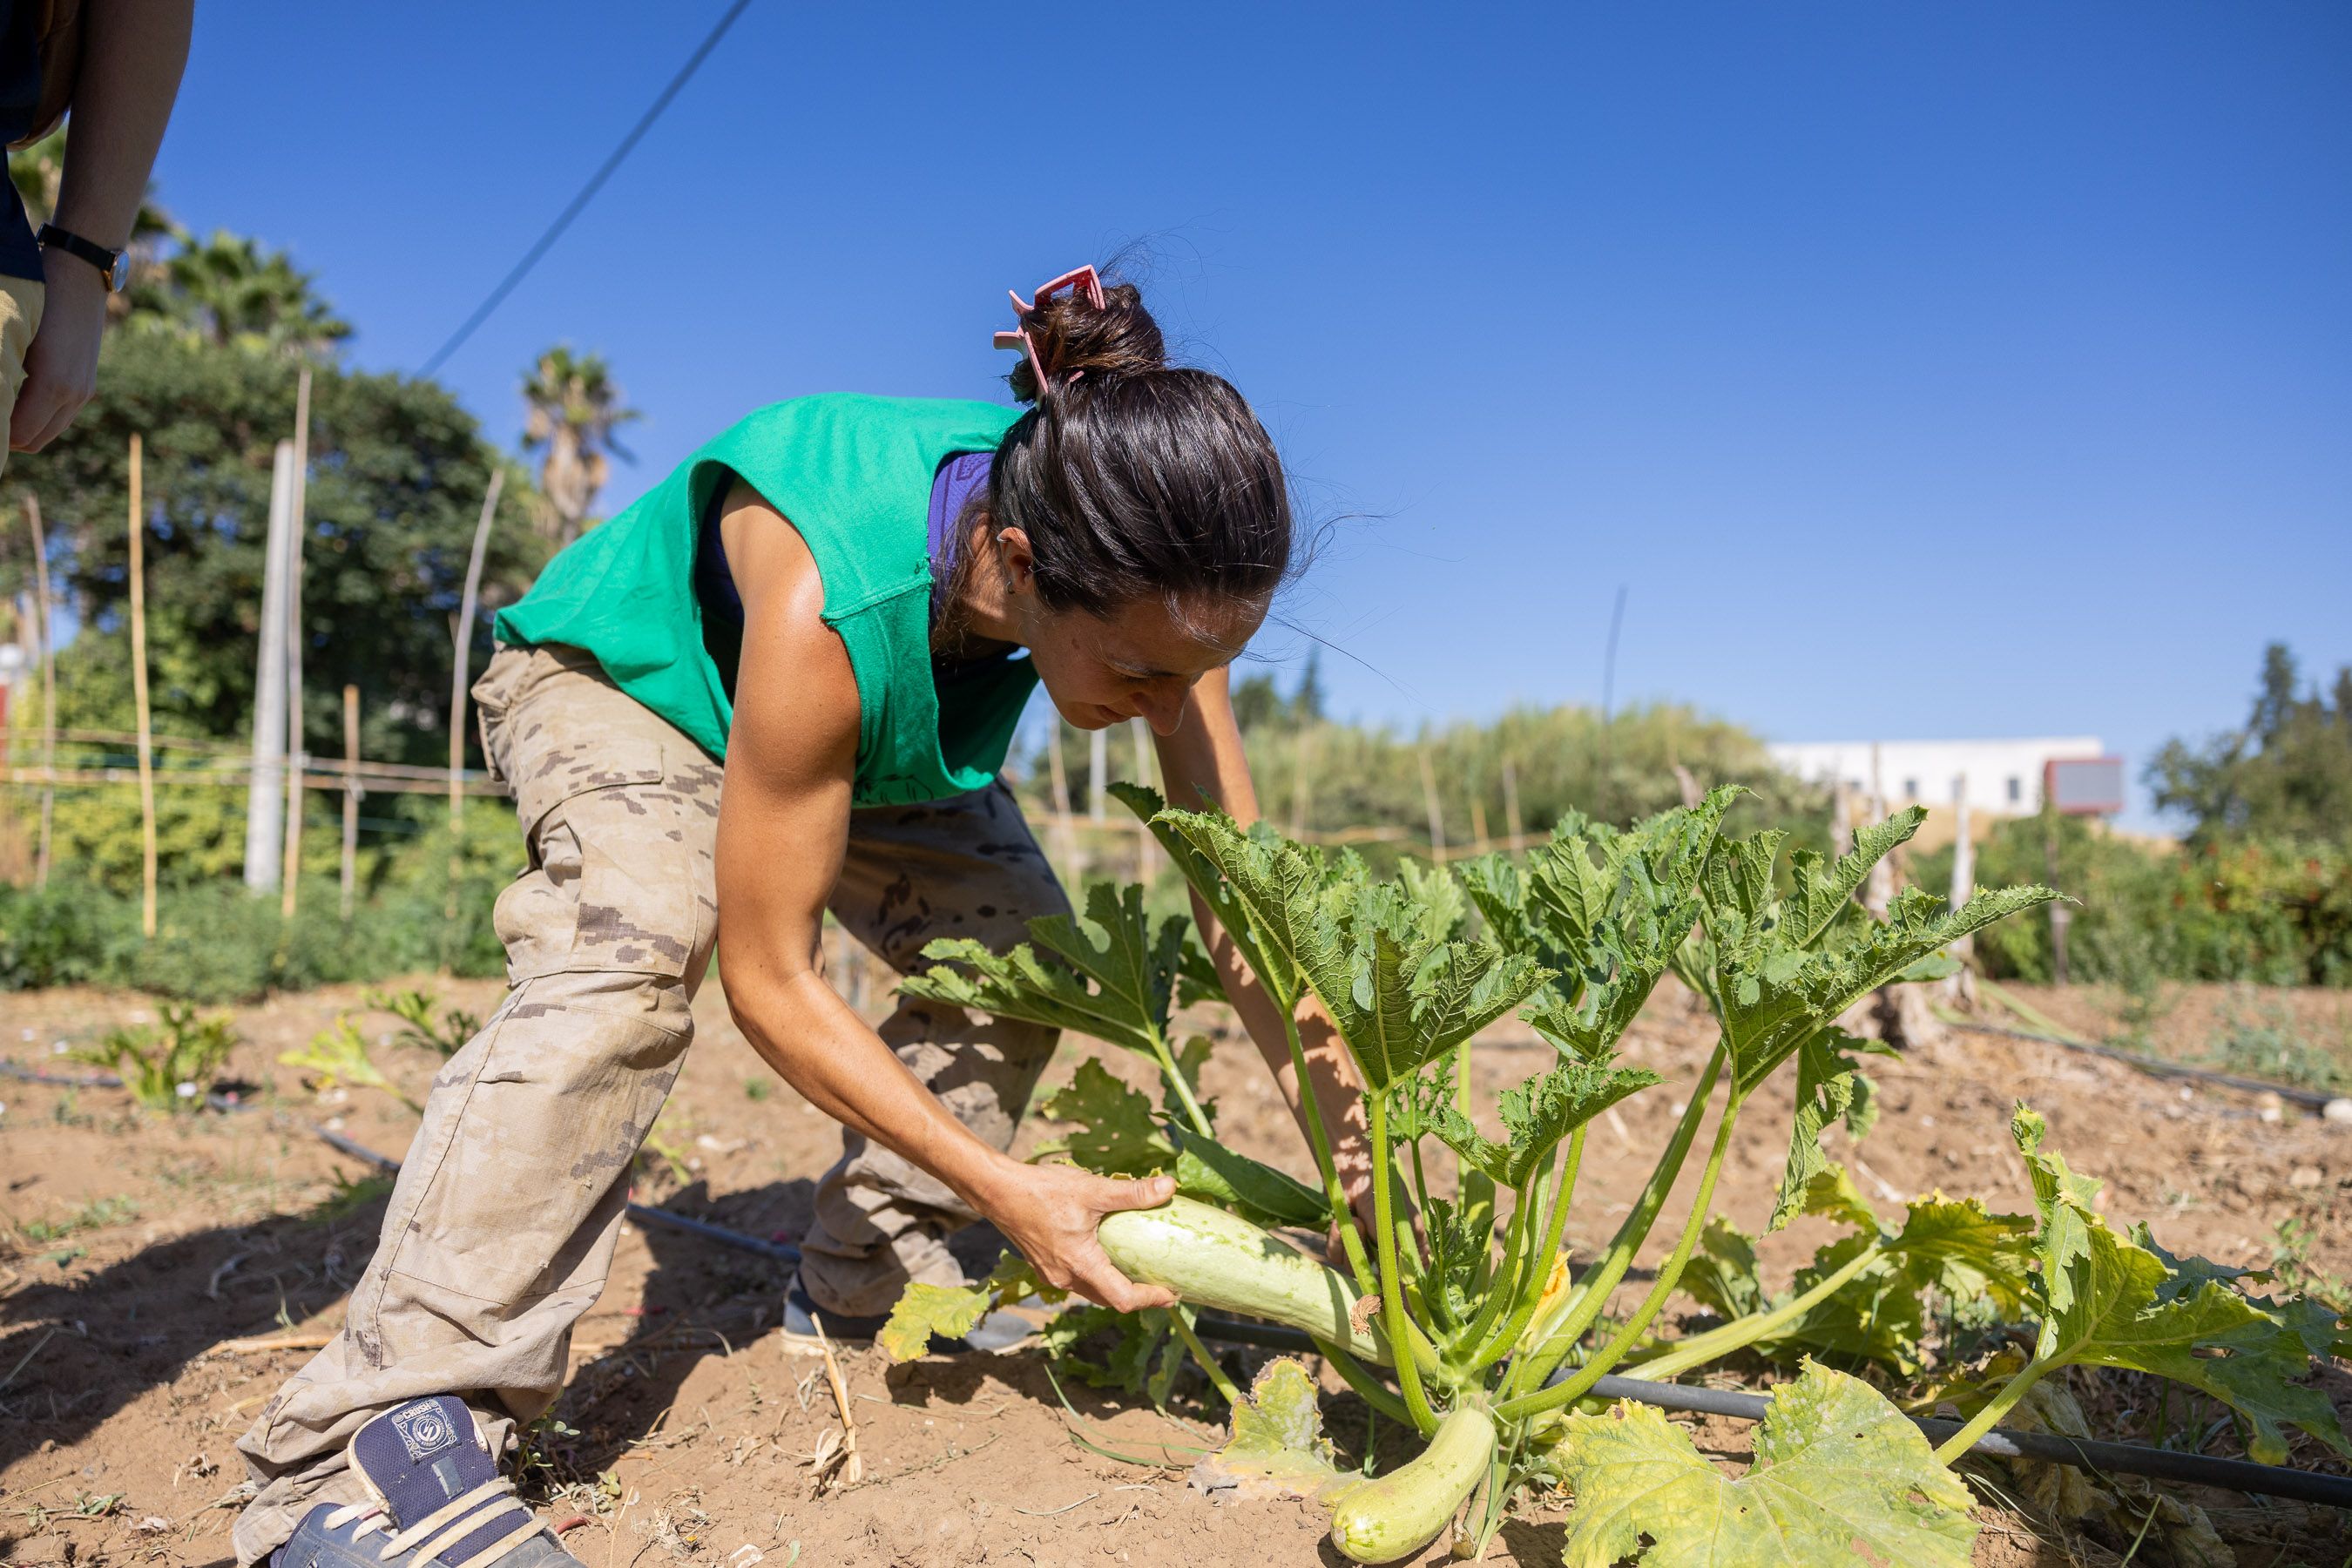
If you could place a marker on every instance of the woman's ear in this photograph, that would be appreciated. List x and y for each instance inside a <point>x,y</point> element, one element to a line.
<point>1015,561</point>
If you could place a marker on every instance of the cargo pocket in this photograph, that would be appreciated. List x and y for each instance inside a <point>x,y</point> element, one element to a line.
<point>613,882</point>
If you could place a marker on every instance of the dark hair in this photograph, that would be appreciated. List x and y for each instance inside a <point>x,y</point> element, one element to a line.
<point>1133,478</point>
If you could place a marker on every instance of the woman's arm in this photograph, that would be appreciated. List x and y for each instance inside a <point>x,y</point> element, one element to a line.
<point>1202,761</point>
<point>783,825</point>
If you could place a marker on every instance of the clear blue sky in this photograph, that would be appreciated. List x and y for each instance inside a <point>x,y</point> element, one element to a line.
<point>1925,369</point>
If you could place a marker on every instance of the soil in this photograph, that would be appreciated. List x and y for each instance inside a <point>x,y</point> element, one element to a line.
<point>149,1253</point>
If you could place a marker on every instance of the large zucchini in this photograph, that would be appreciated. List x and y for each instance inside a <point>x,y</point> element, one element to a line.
<point>1397,1514</point>
<point>1211,1258</point>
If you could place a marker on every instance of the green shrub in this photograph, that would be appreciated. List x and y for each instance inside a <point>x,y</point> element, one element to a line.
<point>2247,910</point>
<point>166,1065</point>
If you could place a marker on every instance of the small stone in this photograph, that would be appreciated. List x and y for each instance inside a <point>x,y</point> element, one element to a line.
<point>2304,1178</point>
<point>2338,1110</point>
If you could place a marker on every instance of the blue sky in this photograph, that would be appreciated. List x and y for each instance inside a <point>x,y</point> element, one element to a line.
<point>1922,370</point>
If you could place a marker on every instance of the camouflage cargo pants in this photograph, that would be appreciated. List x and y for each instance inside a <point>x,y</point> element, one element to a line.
<point>503,1223</point>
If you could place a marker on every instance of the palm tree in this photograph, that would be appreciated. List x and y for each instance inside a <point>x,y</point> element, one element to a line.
<point>231,291</point>
<point>574,408</point>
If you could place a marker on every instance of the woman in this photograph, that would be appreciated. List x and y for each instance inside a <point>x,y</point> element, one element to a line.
<point>815,620</point>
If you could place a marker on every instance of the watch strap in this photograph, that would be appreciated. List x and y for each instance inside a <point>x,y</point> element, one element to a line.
<point>108,262</point>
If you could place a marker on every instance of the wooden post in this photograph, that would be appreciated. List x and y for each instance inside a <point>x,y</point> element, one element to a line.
<point>265,789</point>
<point>1511,808</point>
<point>2059,915</point>
<point>1058,772</point>
<point>1959,986</point>
<point>1429,798</point>
<point>297,761</point>
<point>1144,843</point>
<point>461,672</point>
<point>1097,771</point>
<point>1478,826</point>
<point>49,689</point>
<point>351,796</point>
<point>1300,784</point>
<point>138,694</point>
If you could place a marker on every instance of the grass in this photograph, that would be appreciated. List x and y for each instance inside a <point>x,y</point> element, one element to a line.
<point>95,1215</point>
<point>2269,1046</point>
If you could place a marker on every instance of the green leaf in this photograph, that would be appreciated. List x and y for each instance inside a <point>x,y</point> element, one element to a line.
<point>1824,889</point>
<point>1207,1169</point>
<point>1261,888</point>
<point>1434,892</point>
<point>1722,1275</point>
<point>1276,1447</point>
<point>1131,968</point>
<point>1828,1090</point>
<point>1536,1114</point>
<point>1841,1476</point>
<point>1398,996</point>
<point>1116,1132</point>
<point>1127,1365</point>
<point>2107,1301</point>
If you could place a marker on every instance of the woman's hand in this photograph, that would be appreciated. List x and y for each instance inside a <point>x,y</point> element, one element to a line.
<point>1049,1212</point>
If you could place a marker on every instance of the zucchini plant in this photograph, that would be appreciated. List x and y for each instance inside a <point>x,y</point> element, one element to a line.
<point>1462,1294</point>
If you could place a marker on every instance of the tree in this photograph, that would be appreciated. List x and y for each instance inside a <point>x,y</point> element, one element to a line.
<point>398,470</point>
<point>2286,775</point>
<point>574,407</point>
<point>231,291</point>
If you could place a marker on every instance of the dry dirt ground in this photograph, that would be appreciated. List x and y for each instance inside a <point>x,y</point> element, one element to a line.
<point>146,1254</point>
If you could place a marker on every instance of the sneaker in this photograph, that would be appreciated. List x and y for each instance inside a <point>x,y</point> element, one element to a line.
<point>999,1331</point>
<point>435,1500</point>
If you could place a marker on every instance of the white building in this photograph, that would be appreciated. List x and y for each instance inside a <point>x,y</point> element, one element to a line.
<point>2003,778</point>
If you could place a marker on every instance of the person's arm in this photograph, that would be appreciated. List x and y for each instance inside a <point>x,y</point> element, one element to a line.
<point>131,55</point>
<point>1202,762</point>
<point>784,822</point>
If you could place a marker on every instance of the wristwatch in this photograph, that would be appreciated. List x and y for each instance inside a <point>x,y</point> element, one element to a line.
<point>111,264</point>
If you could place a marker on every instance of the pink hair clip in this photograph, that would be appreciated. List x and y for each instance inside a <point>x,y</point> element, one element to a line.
<point>1085,278</point>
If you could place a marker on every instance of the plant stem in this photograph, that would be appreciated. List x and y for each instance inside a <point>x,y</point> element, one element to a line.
<point>1225,1384</point>
<point>1352,1372</point>
<point>1669,1275</point>
<point>1505,1288</point>
<point>1433,1287</point>
<point>1579,1310</point>
<point>1531,1289</point>
<point>1174,1076</point>
<point>1416,1402</point>
<point>1335,1193</point>
<point>1985,1420</point>
<point>1741,1332</point>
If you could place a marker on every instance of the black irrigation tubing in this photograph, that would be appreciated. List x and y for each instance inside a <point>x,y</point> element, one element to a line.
<point>2001,1442</point>
<point>220,1103</point>
<point>2157,1066</point>
<point>782,1252</point>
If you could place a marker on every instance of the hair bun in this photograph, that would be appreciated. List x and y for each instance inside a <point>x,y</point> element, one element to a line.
<point>1071,336</point>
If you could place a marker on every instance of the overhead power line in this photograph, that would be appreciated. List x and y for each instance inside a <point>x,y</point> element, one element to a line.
<point>587,192</point>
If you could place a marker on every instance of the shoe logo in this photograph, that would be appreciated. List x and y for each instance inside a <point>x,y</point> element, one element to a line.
<point>424,1429</point>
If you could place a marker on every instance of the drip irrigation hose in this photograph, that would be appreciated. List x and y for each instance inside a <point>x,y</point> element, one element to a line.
<point>220,1103</point>
<point>2157,1066</point>
<point>2001,1442</point>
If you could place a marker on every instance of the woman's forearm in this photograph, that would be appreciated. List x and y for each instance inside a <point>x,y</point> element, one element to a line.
<point>819,1045</point>
<point>132,54</point>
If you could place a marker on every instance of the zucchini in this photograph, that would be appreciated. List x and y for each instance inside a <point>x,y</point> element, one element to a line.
<point>1211,1258</point>
<point>1397,1514</point>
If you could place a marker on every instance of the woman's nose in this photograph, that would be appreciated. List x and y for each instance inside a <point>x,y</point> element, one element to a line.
<point>1162,710</point>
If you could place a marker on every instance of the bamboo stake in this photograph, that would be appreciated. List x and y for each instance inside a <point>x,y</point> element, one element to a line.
<point>138,694</point>
<point>49,690</point>
<point>461,671</point>
<point>297,761</point>
<point>1300,782</point>
<point>1429,798</point>
<point>351,795</point>
<point>1511,808</point>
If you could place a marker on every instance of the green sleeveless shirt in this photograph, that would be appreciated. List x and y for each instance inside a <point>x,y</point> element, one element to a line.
<point>854,476</point>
